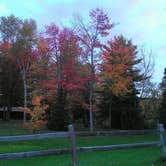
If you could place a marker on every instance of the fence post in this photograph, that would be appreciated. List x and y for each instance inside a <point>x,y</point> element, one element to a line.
<point>162,141</point>
<point>73,145</point>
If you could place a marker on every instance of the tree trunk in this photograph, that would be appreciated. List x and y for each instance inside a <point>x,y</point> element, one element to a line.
<point>91,106</point>
<point>4,108</point>
<point>91,95</point>
<point>25,95</point>
<point>110,114</point>
<point>85,118</point>
<point>8,107</point>
<point>122,120</point>
<point>8,111</point>
<point>4,113</point>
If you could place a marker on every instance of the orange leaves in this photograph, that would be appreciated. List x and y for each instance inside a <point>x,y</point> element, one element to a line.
<point>42,46</point>
<point>121,87</point>
<point>37,114</point>
<point>118,59</point>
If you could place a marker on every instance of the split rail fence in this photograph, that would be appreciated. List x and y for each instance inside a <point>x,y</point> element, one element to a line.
<point>74,149</point>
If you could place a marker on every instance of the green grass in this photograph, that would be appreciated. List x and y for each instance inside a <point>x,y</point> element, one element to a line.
<point>12,128</point>
<point>19,146</point>
<point>15,127</point>
<point>132,157</point>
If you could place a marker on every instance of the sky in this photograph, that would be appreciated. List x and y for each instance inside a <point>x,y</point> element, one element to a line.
<point>143,21</point>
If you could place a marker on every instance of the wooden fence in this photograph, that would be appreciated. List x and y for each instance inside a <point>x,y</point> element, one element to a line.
<point>74,149</point>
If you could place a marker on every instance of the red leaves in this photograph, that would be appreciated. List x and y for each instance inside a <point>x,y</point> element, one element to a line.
<point>66,51</point>
<point>100,21</point>
<point>5,46</point>
<point>52,38</point>
<point>58,63</point>
<point>72,79</point>
<point>52,30</point>
<point>68,42</point>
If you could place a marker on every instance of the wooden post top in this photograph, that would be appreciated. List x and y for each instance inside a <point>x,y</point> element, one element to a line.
<point>161,127</point>
<point>70,127</point>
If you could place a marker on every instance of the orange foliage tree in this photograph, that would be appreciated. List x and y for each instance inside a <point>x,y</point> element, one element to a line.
<point>37,114</point>
<point>117,69</point>
<point>118,60</point>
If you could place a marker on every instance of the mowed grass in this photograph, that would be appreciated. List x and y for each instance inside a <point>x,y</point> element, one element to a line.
<point>131,157</point>
<point>12,128</point>
<point>15,127</point>
<point>18,146</point>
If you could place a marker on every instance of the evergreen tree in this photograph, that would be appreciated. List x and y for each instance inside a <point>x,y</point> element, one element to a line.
<point>58,118</point>
<point>119,75</point>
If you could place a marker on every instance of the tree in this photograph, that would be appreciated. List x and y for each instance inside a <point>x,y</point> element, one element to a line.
<point>23,51</point>
<point>89,35</point>
<point>37,114</point>
<point>9,79</point>
<point>20,35</point>
<point>66,77</point>
<point>147,68</point>
<point>9,28</point>
<point>150,103</point>
<point>40,71</point>
<point>118,71</point>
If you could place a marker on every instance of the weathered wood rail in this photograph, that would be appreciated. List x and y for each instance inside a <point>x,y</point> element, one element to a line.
<point>34,136</point>
<point>120,146</point>
<point>116,132</point>
<point>66,134</point>
<point>34,153</point>
<point>73,150</point>
<point>78,149</point>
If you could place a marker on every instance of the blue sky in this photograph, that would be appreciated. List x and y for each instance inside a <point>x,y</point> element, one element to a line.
<point>143,21</point>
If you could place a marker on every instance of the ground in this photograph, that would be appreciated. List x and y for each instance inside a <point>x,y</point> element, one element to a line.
<point>132,157</point>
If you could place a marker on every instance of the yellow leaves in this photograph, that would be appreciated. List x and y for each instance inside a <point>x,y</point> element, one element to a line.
<point>36,100</point>
<point>37,114</point>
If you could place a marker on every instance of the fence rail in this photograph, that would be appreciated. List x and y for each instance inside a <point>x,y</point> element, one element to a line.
<point>34,153</point>
<point>78,149</point>
<point>34,136</point>
<point>66,134</point>
<point>115,132</point>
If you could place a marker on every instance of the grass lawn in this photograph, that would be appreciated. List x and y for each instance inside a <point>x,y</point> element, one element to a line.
<point>15,127</point>
<point>132,157</point>
<point>19,146</point>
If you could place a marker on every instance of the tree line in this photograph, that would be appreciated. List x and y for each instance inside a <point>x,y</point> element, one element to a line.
<point>83,74</point>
